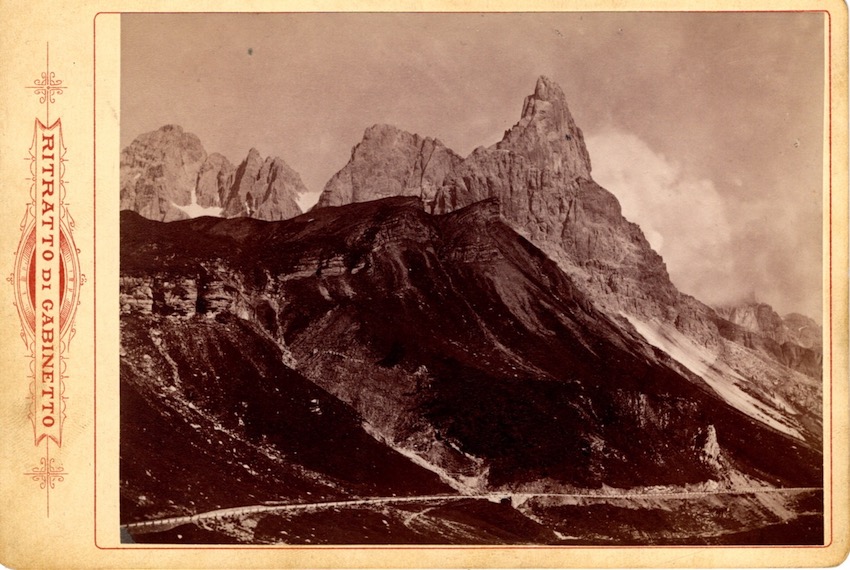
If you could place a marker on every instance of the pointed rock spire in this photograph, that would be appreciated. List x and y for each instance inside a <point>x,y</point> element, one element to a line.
<point>265,189</point>
<point>547,133</point>
<point>214,181</point>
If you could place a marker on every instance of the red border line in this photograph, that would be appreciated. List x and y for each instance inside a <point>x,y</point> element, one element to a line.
<point>830,336</point>
<point>438,547</point>
<point>94,256</point>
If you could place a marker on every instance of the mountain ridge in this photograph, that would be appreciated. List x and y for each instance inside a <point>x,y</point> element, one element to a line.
<point>167,175</point>
<point>541,173</point>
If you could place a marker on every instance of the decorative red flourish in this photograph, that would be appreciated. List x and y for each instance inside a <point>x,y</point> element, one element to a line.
<point>48,86</point>
<point>47,473</point>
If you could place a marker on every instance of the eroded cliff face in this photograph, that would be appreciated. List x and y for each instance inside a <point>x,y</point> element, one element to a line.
<point>167,175</point>
<point>761,318</point>
<point>803,331</point>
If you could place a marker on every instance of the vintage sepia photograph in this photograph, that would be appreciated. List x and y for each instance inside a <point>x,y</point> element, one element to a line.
<point>473,278</point>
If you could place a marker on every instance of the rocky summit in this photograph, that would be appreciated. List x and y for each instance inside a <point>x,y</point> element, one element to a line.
<point>265,189</point>
<point>547,134</point>
<point>444,350</point>
<point>159,171</point>
<point>167,175</point>
<point>390,162</point>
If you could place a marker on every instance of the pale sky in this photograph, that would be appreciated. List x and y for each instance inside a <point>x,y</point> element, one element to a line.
<point>707,127</point>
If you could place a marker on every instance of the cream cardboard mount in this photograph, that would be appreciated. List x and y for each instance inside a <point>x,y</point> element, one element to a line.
<point>224,346</point>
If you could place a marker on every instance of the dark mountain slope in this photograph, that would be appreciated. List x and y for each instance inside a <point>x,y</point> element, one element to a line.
<point>459,341</point>
<point>211,417</point>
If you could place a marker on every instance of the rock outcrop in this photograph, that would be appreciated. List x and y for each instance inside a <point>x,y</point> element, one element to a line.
<point>803,331</point>
<point>794,340</point>
<point>761,318</point>
<point>167,175</point>
<point>390,162</point>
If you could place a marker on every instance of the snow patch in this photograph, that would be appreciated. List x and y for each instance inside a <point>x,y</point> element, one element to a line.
<point>719,376</point>
<point>195,210</point>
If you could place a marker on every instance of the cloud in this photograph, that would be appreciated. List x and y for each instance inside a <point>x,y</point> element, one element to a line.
<point>780,255</point>
<point>684,217</point>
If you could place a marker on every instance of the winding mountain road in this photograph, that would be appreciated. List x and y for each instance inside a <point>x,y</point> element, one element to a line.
<point>160,525</point>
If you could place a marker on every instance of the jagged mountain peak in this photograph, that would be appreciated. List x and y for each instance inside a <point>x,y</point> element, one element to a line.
<point>167,175</point>
<point>390,161</point>
<point>546,88</point>
<point>264,188</point>
<point>158,172</point>
<point>540,172</point>
<point>547,133</point>
<point>387,134</point>
<point>170,139</point>
<point>379,130</point>
<point>173,134</point>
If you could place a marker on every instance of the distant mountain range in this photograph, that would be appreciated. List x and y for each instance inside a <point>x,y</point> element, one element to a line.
<point>167,175</point>
<point>478,327</point>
